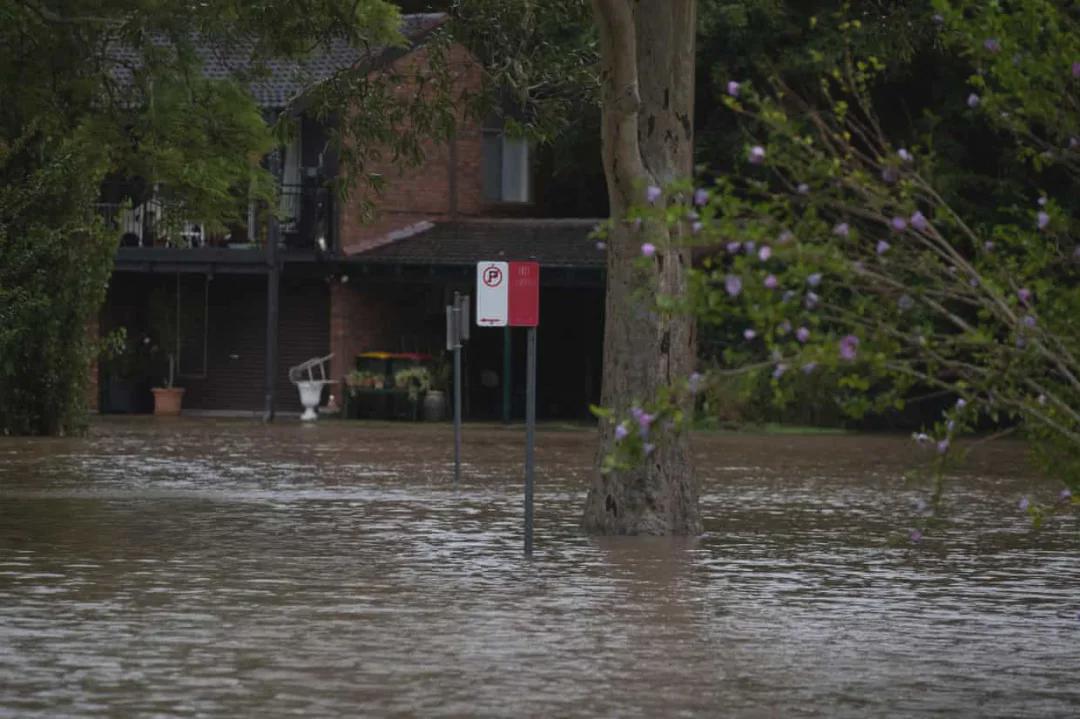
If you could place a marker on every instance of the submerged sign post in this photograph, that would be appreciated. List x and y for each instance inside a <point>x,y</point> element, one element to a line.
<point>457,331</point>
<point>508,295</point>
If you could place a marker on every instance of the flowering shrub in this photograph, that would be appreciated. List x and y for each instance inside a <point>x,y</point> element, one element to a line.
<point>839,250</point>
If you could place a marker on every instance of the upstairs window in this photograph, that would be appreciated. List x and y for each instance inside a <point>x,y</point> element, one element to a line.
<point>507,170</point>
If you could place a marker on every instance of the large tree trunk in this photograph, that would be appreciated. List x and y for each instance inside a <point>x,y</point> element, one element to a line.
<point>647,49</point>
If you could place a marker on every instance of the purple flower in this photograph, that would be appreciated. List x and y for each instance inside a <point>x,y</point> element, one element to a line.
<point>749,334</point>
<point>1065,495</point>
<point>889,175</point>
<point>938,18</point>
<point>814,280</point>
<point>1041,399</point>
<point>1023,504</point>
<point>849,347</point>
<point>644,420</point>
<point>905,155</point>
<point>694,382</point>
<point>943,446</point>
<point>988,246</point>
<point>733,285</point>
<point>918,221</point>
<point>601,246</point>
<point>785,237</point>
<point>905,302</point>
<point>811,300</point>
<point>621,432</point>
<point>883,247</point>
<point>961,403</point>
<point>1029,321</point>
<point>1042,201</point>
<point>648,249</point>
<point>696,227</point>
<point>749,246</point>
<point>1024,294</point>
<point>757,155</point>
<point>915,536</point>
<point>992,45</point>
<point>973,100</point>
<point>648,448</point>
<point>733,88</point>
<point>809,367</point>
<point>771,282</point>
<point>950,426</point>
<point>788,295</point>
<point>841,230</point>
<point>803,188</point>
<point>764,253</point>
<point>1076,69</point>
<point>733,247</point>
<point>691,215</point>
<point>1043,219</point>
<point>802,334</point>
<point>898,224</point>
<point>652,194</point>
<point>779,371</point>
<point>701,197</point>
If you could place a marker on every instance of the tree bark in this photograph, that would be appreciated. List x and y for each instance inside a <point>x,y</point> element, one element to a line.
<point>647,74</point>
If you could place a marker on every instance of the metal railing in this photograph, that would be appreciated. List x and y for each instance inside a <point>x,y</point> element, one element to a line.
<point>303,214</point>
<point>147,225</point>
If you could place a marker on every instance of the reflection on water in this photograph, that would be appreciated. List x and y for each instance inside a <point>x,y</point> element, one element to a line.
<point>210,568</point>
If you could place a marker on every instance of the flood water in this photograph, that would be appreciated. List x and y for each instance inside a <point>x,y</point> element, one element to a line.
<point>222,568</point>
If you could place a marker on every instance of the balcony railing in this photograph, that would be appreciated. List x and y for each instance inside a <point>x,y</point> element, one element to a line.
<point>147,225</point>
<point>303,214</point>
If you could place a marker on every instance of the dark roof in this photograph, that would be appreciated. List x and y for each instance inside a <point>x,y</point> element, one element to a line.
<point>552,243</point>
<point>285,80</point>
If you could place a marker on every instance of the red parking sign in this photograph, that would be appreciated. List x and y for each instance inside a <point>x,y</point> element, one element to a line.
<point>524,300</point>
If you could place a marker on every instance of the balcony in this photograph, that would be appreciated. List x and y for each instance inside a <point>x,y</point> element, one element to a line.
<point>154,237</point>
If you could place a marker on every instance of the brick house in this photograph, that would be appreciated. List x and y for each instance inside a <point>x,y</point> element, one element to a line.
<point>345,284</point>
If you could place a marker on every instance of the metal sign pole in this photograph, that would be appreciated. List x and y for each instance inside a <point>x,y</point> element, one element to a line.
<point>530,432</point>
<point>457,388</point>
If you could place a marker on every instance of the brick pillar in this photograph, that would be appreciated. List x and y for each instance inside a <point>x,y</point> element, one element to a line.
<point>341,299</point>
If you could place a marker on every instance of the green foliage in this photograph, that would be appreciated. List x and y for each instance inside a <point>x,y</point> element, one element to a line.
<point>54,266</point>
<point>540,61</point>
<point>841,250</point>
<point>97,88</point>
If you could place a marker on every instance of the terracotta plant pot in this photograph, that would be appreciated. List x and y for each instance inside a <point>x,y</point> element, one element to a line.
<point>167,400</point>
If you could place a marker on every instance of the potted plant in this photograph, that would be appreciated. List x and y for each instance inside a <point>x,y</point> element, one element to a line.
<point>163,319</point>
<point>415,381</point>
<point>435,399</point>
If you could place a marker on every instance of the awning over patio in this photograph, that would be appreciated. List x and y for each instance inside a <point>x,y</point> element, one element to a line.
<point>554,243</point>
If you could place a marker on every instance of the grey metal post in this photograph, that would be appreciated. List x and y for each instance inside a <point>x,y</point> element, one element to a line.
<point>273,281</point>
<point>506,382</point>
<point>457,390</point>
<point>530,432</point>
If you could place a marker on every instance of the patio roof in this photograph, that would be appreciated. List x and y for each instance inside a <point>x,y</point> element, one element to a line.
<point>551,242</point>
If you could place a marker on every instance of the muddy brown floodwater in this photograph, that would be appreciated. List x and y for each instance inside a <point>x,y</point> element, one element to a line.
<point>223,568</point>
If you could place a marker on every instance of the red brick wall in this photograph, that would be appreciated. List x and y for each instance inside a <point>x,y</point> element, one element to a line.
<point>382,316</point>
<point>412,194</point>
